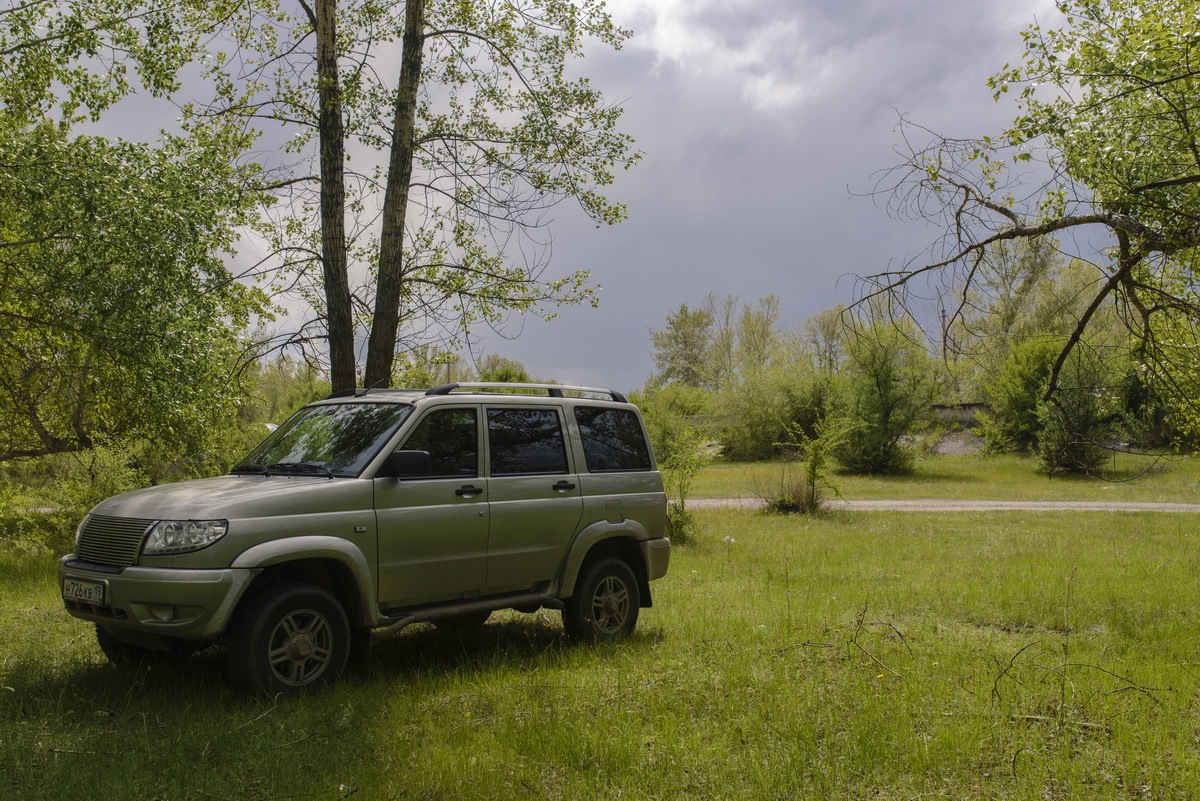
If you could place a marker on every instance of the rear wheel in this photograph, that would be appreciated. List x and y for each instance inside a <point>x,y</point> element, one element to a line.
<point>289,638</point>
<point>606,601</point>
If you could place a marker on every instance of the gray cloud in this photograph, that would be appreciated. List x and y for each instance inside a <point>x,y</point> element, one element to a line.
<point>760,120</point>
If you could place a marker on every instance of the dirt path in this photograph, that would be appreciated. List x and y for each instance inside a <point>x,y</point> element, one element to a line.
<point>965,506</point>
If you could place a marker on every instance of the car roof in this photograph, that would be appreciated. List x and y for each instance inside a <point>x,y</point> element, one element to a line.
<point>477,389</point>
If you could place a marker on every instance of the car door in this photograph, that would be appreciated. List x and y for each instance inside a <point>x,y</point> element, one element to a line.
<point>433,529</point>
<point>534,494</point>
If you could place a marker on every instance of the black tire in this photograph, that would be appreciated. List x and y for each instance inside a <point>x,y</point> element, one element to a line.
<point>288,639</point>
<point>606,601</point>
<point>124,655</point>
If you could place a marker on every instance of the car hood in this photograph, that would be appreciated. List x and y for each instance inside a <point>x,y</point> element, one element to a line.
<point>229,497</point>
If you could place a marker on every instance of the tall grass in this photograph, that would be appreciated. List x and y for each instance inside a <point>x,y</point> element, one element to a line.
<point>967,477</point>
<point>844,655</point>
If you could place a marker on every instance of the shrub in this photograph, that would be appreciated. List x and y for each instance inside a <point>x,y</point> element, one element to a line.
<point>688,453</point>
<point>804,492</point>
<point>888,385</point>
<point>43,519</point>
<point>1014,394</point>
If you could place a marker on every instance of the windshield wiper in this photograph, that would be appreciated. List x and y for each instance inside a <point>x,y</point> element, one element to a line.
<point>250,468</point>
<point>300,467</point>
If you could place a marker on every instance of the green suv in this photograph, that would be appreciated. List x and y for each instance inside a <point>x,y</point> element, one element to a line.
<point>375,509</point>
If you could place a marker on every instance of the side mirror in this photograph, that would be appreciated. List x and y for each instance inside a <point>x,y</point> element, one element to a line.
<point>409,464</point>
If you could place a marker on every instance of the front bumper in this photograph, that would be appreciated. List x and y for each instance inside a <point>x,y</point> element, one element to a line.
<point>163,602</point>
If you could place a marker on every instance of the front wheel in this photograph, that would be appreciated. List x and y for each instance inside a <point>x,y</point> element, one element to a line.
<point>606,601</point>
<point>289,638</point>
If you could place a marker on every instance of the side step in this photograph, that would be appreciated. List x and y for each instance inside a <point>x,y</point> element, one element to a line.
<point>526,602</point>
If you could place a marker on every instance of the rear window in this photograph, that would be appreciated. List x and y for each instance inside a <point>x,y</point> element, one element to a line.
<point>612,439</point>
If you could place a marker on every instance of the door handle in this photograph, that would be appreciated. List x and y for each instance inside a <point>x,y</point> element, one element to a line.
<point>563,486</point>
<point>468,492</point>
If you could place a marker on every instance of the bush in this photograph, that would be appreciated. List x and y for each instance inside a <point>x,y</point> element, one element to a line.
<point>804,492</point>
<point>1080,422</point>
<point>887,387</point>
<point>1014,395</point>
<point>688,453</point>
<point>43,519</point>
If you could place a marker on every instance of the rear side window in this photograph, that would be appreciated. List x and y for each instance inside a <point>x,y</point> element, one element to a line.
<point>522,441</point>
<point>612,439</point>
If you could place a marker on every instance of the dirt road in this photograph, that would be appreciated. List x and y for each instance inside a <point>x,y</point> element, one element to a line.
<point>964,506</point>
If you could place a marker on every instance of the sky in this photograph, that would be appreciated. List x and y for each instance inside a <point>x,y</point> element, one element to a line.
<point>761,124</point>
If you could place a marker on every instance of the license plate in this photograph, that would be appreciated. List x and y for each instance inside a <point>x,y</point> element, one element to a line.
<point>89,592</point>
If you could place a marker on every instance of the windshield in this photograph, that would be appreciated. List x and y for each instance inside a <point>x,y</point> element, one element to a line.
<point>332,440</point>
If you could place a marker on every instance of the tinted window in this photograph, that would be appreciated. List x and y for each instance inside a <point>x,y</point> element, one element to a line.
<point>525,441</point>
<point>452,439</point>
<point>612,439</point>
<point>338,438</point>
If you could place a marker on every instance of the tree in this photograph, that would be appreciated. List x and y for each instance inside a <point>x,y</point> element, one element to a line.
<point>494,367</point>
<point>1014,394</point>
<point>74,60</point>
<point>482,134</point>
<point>681,347</point>
<point>1106,115</point>
<point>888,384</point>
<point>118,316</point>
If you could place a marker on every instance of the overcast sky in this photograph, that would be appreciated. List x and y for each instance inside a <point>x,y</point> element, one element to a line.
<point>759,120</point>
<point>761,123</point>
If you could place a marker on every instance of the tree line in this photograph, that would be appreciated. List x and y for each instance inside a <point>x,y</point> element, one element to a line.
<point>394,167</point>
<point>868,379</point>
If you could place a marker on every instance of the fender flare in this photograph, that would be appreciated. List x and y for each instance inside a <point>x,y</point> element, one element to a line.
<point>588,538</point>
<point>291,549</point>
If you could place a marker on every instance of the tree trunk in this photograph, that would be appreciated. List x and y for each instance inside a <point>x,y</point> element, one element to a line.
<point>338,316</point>
<point>381,348</point>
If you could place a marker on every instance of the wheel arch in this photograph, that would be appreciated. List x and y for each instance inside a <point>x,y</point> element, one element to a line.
<point>600,541</point>
<point>327,562</point>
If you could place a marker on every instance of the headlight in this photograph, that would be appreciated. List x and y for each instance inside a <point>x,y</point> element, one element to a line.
<point>181,536</point>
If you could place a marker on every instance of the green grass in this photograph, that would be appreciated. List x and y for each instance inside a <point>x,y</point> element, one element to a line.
<point>1132,478</point>
<point>848,655</point>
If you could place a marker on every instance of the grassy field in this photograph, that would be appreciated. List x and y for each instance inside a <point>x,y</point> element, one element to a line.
<point>850,655</point>
<point>1130,478</point>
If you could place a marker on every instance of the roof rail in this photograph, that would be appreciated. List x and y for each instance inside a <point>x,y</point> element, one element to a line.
<point>360,391</point>
<point>553,390</point>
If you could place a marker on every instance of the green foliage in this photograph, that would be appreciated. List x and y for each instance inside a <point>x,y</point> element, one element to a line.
<point>119,319</point>
<point>807,492</point>
<point>1014,395</point>
<point>681,348</point>
<point>467,155</point>
<point>43,519</point>
<point>494,367</point>
<point>674,416</point>
<point>1078,423</point>
<point>670,412</point>
<point>71,60</point>
<point>687,453</point>
<point>1108,92</point>
<point>755,412</point>
<point>760,378</point>
<point>888,384</point>
<point>1106,103</point>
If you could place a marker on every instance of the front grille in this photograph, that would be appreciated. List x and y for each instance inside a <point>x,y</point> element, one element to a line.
<point>112,540</point>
